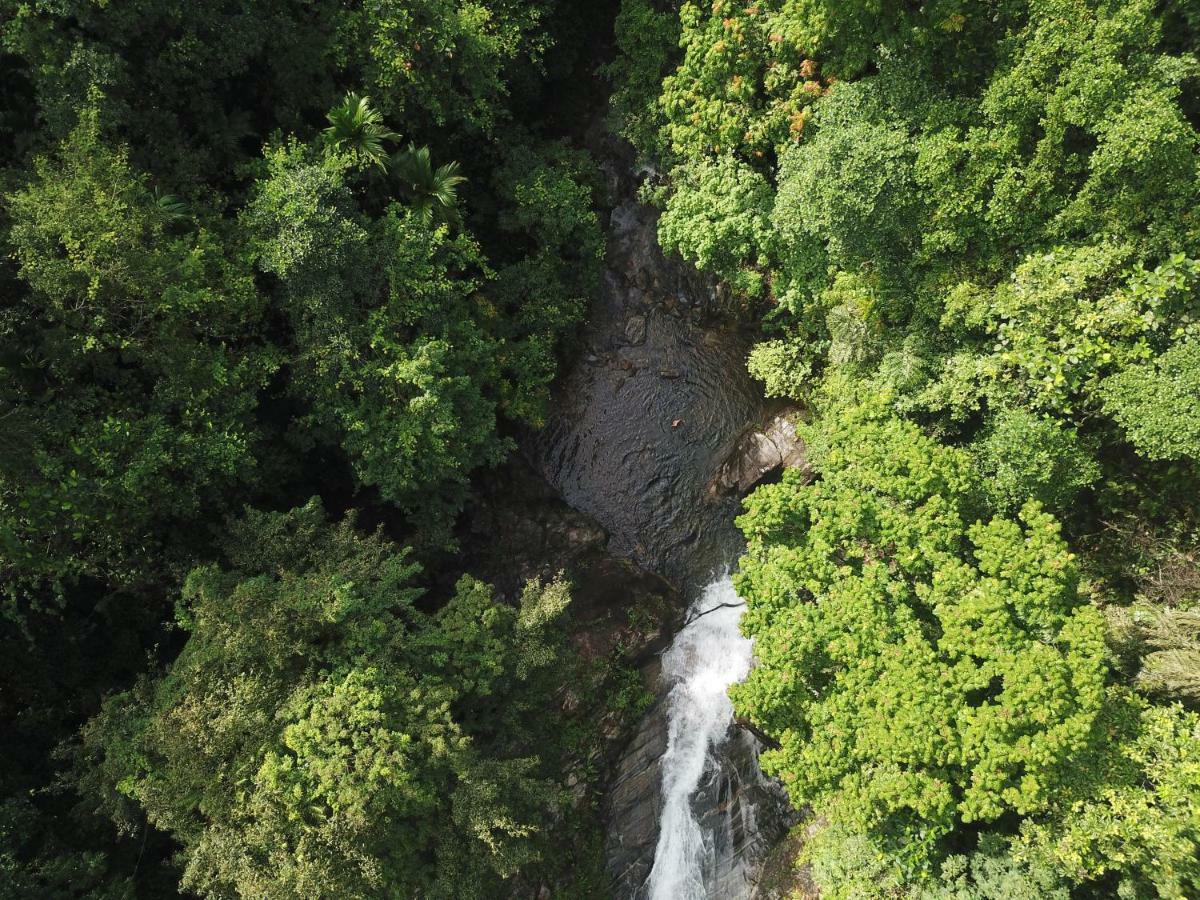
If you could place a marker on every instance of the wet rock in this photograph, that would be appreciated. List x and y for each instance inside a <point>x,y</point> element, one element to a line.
<point>607,434</point>
<point>606,449</point>
<point>633,805</point>
<point>521,529</point>
<point>745,815</point>
<point>759,454</point>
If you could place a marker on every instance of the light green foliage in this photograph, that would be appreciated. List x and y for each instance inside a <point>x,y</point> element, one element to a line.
<point>1111,151</point>
<point>994,872</point>
<point>848,35</point>
<point>1157,403</point>
<point>851,187</point>
<point>917,671</point>
<point>733,88</point>
<point>848,865</point>
<point>785,367</point>
<point>1141,819</point>
<point>751,72</point>
<point>1064,322</point>
<point>129,390</point>
<point>1026,456</point>
<point>855,321</point>
<point>719,220</point>
<point>982,217</point>
<point>319,735</point>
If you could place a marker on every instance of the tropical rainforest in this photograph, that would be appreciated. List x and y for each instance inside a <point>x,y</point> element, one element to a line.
<point>281,283</point>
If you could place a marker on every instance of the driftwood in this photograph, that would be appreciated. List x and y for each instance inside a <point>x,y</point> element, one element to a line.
<point>700,615</point>
<point>767,741</point>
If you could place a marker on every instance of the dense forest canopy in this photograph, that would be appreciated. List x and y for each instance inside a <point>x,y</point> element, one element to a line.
<point>970,231</point>
<point>253,253</point>
<point>280,282</point>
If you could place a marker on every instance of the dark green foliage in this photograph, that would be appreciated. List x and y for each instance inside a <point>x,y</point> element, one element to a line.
<point>553,247</point>
<point>320,735</point>
<point>647,36</point>
<point>357,129</point>
<point>392,351</point>
<point>131,376</point>
<point>225,281</point>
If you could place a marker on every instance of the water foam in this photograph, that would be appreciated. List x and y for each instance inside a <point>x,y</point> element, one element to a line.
<point>708,655</point>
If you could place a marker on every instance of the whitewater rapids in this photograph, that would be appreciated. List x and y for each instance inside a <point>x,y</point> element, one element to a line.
<point>708,655</point>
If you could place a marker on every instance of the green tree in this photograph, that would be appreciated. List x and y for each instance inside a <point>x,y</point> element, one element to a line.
<point>918,672</point>
<point>320,735</point>
<point>719,220</point>
<point>392,349</point>
<point>1135,816</point>
<point>130,388</point>
<point>356,128</point>
<point>1024,457</point>
<point>1157,403</point>
<point>432,193</point>
<point>646,38</point>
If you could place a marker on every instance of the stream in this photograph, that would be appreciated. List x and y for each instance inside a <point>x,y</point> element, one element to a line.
<point>656,400</point>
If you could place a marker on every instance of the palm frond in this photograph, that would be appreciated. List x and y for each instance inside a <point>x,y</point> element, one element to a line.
<point>432,193</point>
<point>357,127</point>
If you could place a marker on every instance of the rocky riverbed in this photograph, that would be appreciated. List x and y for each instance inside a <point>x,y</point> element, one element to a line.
<point>657,432</point>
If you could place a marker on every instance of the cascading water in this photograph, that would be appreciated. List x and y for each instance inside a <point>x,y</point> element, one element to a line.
<point>708,655</point>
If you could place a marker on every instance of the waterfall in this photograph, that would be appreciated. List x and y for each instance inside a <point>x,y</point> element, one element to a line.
<point>708,655</point>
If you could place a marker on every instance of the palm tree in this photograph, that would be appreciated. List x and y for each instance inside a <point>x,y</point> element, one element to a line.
<point>172,207</point>
<point>432,193</point>
<point>359,128</point>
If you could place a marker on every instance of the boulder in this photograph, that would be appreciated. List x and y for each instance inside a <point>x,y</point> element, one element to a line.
<point>760,453</point>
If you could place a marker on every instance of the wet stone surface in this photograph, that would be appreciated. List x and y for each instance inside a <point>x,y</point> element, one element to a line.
<point>653,406</point>
<point>654,412</point>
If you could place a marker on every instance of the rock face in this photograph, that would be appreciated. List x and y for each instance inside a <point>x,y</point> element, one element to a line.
<point>745,814</point>
<point>761,453</point>
<point>644,421</point>
<point>520,528</point>
<point>633,807</point>
<point>649,418</point>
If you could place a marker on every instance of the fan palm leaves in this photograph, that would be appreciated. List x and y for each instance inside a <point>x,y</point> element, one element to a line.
<point>357,127</point>
<point>432,193</point>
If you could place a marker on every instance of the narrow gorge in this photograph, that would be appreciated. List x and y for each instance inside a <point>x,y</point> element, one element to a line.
<point>657,429</point>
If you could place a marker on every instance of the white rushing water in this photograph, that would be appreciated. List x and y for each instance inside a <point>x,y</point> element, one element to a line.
<point>707,656</point>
